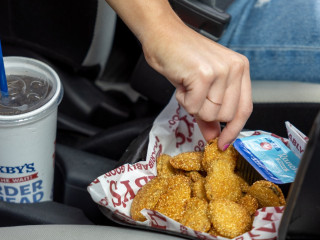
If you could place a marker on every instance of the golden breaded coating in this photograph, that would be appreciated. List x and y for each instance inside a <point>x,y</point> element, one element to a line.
<point>213,232</point>
<point>267,193</point>
<point>244,185</point>
<point>198,190</point>
<point>222,182</point>
<point>228,218</point>
<point>194,175</point>
<point>172,203</point>
<point>213,153</point>
<point>195,215</point>
<point>188,161</point>
<point>222,186</point>
<point>164,168</point>
<point>147,197</point>
<point>250,203</point>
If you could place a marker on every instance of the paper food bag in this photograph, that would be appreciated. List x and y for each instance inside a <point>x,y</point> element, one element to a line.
<point>174,131</point>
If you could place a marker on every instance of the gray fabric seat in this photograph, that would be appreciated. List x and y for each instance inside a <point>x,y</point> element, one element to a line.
<point>79,232</point>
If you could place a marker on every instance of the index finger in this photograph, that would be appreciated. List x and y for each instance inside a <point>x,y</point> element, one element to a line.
<point>233,128</point>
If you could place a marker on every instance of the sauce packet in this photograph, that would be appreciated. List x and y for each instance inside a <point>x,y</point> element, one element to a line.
<point>270,157</point>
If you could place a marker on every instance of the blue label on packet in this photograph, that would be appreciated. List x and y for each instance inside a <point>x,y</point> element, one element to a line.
<point>270,157</point>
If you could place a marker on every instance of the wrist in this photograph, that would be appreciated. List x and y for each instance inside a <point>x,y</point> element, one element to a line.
<point>157,24</point>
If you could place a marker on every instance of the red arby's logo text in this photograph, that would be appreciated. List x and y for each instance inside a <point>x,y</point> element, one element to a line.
<point>266,145</point>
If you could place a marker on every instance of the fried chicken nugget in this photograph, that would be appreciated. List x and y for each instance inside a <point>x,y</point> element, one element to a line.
<point>267,193</point>
<point>172,202</point>
<point>222,182</point>
<point>164,168</point>
<point>244,185</point>
<point>250,203</point>
<point>195,215</point>
<point>194,175</point>
<point>147,197</point>
<point>213,153</point>
<point>213,232</point>
<point>228,218</point>
<point>188,161</point>
<point>198,190</point>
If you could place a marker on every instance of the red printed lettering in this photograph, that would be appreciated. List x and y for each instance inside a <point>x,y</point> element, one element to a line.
<point>181,138</point>
<point>268,217</point>
<point>157,219</point>
<point>272,229</point>
<point>129,168</point>
<point>183,229</point>
<point>279,209</point>
<point>200,146</point>
<point>155,153</point>
<point>103,202</point>
<point>128,191</point>
<point>253,235</point>
<point>141,181</point>
<point>113,187</point>
<point>96,181</point>
<point>200,235</point>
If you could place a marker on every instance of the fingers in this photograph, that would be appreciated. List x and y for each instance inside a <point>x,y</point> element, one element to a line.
<point>193,89</point>
<point>245,107</point>
<point>235,109</point>
<point>191,97</point>
<point>223,95</point>
<point>209,130</point>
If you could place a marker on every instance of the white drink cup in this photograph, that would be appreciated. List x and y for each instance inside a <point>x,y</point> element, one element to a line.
<point>27,140</point>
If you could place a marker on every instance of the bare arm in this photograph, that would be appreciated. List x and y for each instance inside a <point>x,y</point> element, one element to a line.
<point>212,82</point>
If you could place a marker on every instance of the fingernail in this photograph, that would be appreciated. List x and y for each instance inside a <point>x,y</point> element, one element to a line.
<point>225,147</point>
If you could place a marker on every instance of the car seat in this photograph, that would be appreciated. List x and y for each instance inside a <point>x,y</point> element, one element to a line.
<point>77,38</point>
<point>92,93</point>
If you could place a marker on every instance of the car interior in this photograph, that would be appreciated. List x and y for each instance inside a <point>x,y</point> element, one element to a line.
<point>111,98</point>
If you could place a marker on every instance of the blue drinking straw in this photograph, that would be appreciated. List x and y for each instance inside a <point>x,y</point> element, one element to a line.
<point>3,79</point>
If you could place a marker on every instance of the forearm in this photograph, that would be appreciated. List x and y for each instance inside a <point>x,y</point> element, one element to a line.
<point>145,17</point>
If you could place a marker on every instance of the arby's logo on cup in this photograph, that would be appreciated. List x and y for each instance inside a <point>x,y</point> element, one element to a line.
<point>25,168</point>
<point>21,184</point>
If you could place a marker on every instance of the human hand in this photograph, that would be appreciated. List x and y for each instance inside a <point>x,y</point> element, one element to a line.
<point>212,82</point>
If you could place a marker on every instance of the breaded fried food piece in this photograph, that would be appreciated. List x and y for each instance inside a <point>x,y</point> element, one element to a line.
<point>244,185</point>
<point>164,168</point>
<point>222,182</point>
<point>213,153</point>
<point>250,203</point>
<point>194,175</point>
<point>213,232</point>
<point>267,193</point>
<point>228,218</point>
<point>222,186</point>
<point>188,161</point>
<point>195,215</point>
<point>198,190</point>
<point>172,202</point>
<point>147,197</point>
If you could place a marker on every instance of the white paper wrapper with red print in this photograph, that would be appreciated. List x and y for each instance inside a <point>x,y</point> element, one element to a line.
<point>174,131</point>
